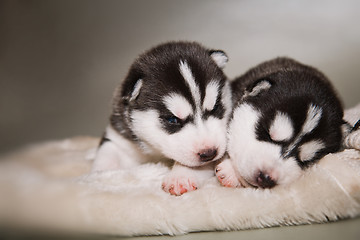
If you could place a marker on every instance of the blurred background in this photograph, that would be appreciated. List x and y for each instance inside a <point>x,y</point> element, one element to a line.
<point>61,60</point>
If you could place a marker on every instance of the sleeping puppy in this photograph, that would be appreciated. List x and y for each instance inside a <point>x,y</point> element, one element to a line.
<point>174,104</point>
<point>286,117</point>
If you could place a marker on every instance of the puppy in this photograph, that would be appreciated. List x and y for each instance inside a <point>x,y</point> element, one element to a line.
<point>286,117</point>
<point>174,104</point>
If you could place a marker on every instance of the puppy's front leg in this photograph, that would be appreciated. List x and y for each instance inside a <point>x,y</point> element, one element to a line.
<point>184,179</point>
<point>112,155</point>
<point>107,158</point>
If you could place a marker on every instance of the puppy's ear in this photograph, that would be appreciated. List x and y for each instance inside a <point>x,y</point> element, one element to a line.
<point>131,88</point>
<point>258,87</point>
<point>136,90</point>
<point>219,57</point>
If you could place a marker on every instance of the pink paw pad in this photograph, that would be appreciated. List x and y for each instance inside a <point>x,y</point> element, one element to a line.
<point>226,179</point>
<point>178,189</point>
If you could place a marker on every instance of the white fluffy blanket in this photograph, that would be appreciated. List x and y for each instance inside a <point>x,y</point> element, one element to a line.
<point>48,186</point>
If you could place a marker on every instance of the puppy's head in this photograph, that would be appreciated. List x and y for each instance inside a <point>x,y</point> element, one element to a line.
<point>285,123</point>
<point>176,100</point>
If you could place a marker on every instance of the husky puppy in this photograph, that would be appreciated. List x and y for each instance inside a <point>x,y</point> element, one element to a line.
<point>174,104</point>
<point>286,117</point>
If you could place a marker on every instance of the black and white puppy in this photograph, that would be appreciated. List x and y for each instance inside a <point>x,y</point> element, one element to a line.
<point>174,104</point>
<point>286,117</point>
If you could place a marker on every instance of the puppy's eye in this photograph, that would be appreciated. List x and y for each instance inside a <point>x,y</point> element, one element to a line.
<point>173,120</point>
<point>217,111</point>
<point>262,133</point>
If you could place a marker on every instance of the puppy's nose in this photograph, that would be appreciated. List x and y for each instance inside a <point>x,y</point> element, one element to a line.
<point>264,180</point>
<point>207,154</point>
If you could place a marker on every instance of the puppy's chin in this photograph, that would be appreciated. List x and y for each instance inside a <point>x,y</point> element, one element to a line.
<point>196,163</point>
<point>191,158</point>
<point>193,164</point>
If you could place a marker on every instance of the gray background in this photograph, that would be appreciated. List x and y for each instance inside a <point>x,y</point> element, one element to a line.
<point>61,60</point>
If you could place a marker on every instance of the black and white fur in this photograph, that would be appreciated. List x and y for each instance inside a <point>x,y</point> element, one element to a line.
<point>174,104</point>
<point>286,117</point>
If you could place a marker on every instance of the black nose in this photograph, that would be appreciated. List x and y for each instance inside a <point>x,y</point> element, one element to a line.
<point>207,154</point>
<point>264,180</point>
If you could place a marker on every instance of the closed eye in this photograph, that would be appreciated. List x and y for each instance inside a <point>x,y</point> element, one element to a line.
<point>216,107</point>
<point>217,111</point>
<point>263,134</point>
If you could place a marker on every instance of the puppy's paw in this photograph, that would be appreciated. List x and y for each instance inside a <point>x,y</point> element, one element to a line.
<point>226,174</point>
<point>353,140</point>
<point>178,185</point>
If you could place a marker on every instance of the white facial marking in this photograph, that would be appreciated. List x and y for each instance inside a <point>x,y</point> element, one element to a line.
<point>308,150</point>
<point>281,128</point>
<point>190,80</point>
<point>211,94</point>
<point>226,99</point>
<point>261,86</point>
<point>220,58</point>
<point>244,120</point>
<point>312,118</point>
<point>249,155</point>
<point>178,105</point>
<point>136,90</point>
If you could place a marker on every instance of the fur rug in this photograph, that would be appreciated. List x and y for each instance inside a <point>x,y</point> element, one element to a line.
<point>48,186</point>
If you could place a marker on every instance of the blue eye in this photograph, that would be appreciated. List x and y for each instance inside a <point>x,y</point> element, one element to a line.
<point>173,120</point>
